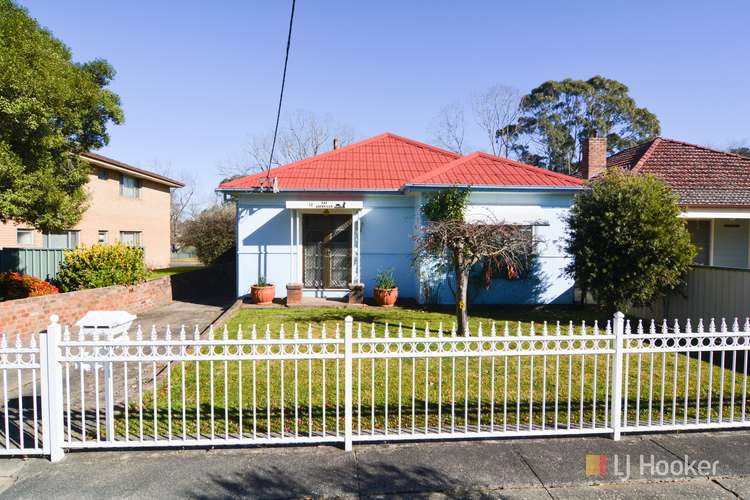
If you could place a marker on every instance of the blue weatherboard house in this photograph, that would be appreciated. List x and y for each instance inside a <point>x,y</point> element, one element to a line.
<point>338,218</point>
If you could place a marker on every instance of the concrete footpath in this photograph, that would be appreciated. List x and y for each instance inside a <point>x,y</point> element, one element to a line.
<point>689,465</point>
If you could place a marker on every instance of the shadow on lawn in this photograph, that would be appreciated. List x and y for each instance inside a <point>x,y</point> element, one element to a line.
<point>420,316</point>
<point>466,418</point>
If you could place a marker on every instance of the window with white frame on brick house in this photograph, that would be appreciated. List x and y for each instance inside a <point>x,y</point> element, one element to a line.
<point>130,238</point>
<point>24,237</point>
<point>64,239</point>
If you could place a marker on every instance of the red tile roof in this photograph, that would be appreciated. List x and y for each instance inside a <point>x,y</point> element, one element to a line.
<point>388,162</point>
<point>701,176</point>
<point>481,169</point>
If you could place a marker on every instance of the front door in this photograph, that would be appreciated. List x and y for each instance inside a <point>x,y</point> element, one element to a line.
<point>327,250</point>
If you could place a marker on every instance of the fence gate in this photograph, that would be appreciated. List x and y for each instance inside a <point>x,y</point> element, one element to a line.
<point>368,383</point>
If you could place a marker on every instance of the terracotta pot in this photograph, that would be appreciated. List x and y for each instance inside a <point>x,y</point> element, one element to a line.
<point>262,294</point>
<point>386,297</point>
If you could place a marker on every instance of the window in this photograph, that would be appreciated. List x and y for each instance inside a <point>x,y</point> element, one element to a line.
<point>130,187</point>
<point>492,269</point>
<point>103,237</point>
<point>65,239</point>
<point>24,237</point>
<point>102,174</point>
<point>131,238</point>
<point>700,235</point>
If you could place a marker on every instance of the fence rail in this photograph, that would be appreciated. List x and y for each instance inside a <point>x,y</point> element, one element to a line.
<point>42,263</point>
<point>358,383</point>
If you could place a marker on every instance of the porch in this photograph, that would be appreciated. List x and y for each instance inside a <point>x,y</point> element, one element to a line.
<point>722,237</point>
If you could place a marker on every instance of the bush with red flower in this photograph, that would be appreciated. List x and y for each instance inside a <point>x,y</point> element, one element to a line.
<point>15,285</point>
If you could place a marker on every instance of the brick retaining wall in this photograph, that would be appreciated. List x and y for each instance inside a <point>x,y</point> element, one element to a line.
<point>32,314</point>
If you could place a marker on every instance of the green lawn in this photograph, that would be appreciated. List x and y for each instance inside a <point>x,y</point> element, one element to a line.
<point>519,387</point>
<point>169,271</point>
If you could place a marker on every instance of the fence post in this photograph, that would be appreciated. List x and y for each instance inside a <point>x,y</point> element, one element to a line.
<point>348,335</point>
<point>619,330</point>
<point>51,390</point>
<point>109,391</point>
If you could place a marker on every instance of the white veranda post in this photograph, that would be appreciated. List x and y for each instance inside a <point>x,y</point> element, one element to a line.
<point>356,267</point>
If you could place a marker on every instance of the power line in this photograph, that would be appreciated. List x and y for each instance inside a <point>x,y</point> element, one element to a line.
<point>281,94</point>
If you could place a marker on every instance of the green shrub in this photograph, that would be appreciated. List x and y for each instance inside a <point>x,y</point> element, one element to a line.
<point>101,265</point>
<point>628,242</point>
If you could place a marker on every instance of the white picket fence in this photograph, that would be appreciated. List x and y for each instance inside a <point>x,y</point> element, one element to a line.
<point>357,383</point>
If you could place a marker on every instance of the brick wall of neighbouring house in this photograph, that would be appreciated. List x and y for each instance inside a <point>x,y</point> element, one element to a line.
<point>25,316</point>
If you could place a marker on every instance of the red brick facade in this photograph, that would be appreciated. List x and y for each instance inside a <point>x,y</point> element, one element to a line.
<point>24,316</point>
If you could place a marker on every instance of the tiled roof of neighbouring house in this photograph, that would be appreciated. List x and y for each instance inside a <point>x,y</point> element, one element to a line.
<point>699,175</point>
<point>389,162</point>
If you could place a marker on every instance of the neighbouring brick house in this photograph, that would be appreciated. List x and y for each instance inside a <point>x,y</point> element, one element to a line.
<point>126,204</point>
<point>713,186</point>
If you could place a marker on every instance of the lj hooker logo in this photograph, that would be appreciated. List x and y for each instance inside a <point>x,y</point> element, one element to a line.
<point>596,465</point>
<point>647,466</point>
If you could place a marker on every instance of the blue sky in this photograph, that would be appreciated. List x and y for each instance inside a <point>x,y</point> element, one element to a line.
<point>198,79</point>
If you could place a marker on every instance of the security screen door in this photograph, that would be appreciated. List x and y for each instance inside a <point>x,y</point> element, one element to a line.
<point>327,250</point>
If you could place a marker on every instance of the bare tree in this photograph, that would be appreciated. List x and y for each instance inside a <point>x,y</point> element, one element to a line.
<point>301,134</point>
<point>449,127</point>
<point>184,201</point>
<point>496,111</point>
<point>452,242</point>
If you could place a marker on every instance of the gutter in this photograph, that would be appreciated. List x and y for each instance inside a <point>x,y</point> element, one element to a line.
<point>412,187</point>
<point>437,187</point>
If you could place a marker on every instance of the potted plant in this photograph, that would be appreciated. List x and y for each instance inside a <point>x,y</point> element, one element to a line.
<point>262,292</point>
<point>386,291</point>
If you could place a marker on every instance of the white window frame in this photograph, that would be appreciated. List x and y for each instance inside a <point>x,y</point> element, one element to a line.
<point>72,236</point>
<point>25,231</point>
<point>99,234</point>
<point>138,236</point>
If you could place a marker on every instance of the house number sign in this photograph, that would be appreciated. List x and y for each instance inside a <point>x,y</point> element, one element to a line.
<point>324,204</point>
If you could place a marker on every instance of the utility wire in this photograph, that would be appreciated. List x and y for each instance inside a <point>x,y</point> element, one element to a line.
<point>281,95</point>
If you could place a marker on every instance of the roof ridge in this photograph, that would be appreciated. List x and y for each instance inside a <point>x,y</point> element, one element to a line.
<point>533,168</point>
<point>699,146</point>
<point>423,145</point>
<point>646,154</point>
<point>639,145</point>
<point>333,152</point>
<point>442,168</point>
<point>492,157</point>
<point>297,163</point>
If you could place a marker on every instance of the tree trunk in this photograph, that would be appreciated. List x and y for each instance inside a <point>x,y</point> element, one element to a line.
<point>462,285</point>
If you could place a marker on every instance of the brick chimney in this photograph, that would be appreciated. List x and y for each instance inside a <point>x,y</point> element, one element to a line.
<point>594,160</point>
